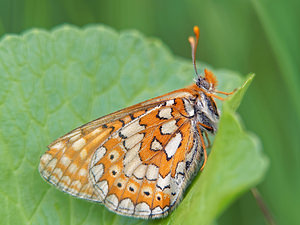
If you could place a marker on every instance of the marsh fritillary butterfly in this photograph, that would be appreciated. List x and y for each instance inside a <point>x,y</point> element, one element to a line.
<point>138,161</point>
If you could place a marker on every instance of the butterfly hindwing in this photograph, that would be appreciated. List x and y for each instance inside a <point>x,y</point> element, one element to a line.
<point>141,168</point>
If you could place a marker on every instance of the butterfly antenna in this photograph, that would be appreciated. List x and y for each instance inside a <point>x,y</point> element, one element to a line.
<point>194,44</point>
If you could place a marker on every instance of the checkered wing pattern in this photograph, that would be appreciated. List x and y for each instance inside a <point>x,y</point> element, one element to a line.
<point>142,169</point>
<point>136,161</point>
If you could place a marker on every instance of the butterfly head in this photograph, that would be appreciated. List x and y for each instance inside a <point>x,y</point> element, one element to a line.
<point>208,82</point>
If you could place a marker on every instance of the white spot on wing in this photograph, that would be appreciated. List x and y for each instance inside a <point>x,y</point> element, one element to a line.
<point>170,102</point>
<point>165,113</point>
<point>52,164</point>
<point>169,127</point>
<point>82,172</point>
<point>53,179</point>
<point>78,144</point>
<point>131,129</point>
<point>99,153</point>
<point>58,172</point>
<point>173,145</point>
<point>73,168</point>
<point>96,131</point>
<point>77,185</point>
<point>157,211</point>
<point>155,145</point>
<point>75,137</point>
<point>58,146</point>
<point>65,160</point>
<point>140,171</point>
<point>97,171</point>
<point>112,201</point>
<point>163,182</point>
<point>188,107</point>
<point>45,158</point>
<point>174,197</point>
<point>65,181</point>
<point>142,209</point>
<point>130,167</point>
<point>103,188</point>
<point>126,206</point>
<point>130,154</point>
<point>133,140</point>
<point>83,153</point>
<point>152,172</point>
<point>180,167</point>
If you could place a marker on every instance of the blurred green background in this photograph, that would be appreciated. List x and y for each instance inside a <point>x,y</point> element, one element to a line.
<point>260,36</point>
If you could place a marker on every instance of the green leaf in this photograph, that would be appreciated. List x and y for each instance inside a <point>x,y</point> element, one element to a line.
<point>235,164</point>
<point>234,102</point>
<point>52,82</point>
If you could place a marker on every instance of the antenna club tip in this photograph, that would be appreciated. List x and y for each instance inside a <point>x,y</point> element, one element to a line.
<point>196,31</point>
<point>191,39</point>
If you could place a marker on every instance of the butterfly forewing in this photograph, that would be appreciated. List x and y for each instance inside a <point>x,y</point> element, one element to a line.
<point>135,161</point>
<point>66,163</point>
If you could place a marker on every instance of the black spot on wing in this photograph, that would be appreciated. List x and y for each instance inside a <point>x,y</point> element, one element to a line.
<point>122,121</point>
<point>131,116</point>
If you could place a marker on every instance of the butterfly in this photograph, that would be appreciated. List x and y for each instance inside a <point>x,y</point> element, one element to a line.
<point>139,160</point>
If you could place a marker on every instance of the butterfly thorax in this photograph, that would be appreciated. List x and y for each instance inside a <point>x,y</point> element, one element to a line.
<point>203,110</point>
<point>206,111</point>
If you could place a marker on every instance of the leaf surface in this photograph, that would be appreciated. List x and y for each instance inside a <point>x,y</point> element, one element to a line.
<point>53,82</point>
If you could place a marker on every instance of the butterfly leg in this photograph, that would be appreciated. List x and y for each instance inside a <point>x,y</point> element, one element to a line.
<point>226,93</point>
<point>206,135</point>
<point>208,141</point>
<point>203,145</point>
<point>223,93</point>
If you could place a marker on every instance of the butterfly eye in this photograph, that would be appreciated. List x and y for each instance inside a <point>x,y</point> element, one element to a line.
<point>205,84</point>
<point>202,83</point>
